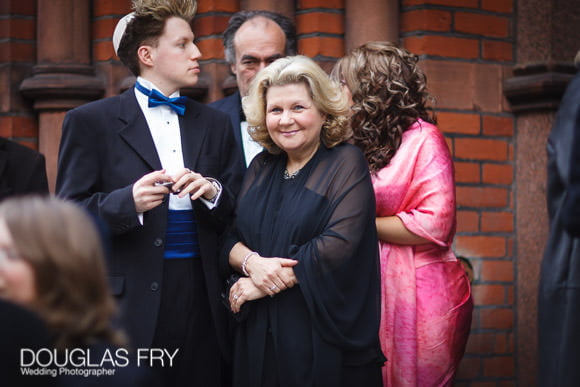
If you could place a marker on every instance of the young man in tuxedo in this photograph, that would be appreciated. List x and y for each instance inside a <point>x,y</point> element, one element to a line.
<point>161,172</point>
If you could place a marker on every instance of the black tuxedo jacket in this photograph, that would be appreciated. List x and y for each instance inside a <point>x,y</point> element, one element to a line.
<point>106,146</point>
<point>232,106</point>
<point>22,170</point>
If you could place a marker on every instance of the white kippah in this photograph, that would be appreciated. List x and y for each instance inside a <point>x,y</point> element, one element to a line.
<point>120,30</point>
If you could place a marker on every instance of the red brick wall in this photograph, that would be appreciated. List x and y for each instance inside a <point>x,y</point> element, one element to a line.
<point>106,14</point>
<point>211,20</point>
<point>320,30</point>
<point>468,47</point>
<point>17,56</point>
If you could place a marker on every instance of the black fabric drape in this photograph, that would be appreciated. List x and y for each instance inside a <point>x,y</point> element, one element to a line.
<point>559,292</point>
<point>325,219</point>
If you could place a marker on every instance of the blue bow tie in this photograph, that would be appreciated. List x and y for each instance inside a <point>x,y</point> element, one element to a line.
<point>157,99</point>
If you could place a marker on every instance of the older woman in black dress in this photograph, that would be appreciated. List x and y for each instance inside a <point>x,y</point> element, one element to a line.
<point>304,240</point>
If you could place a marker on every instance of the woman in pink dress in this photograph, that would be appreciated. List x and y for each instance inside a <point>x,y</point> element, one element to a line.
<point>426,296</point>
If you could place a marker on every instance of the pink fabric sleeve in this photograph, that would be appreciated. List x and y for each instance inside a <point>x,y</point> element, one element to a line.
<point>430,208</point>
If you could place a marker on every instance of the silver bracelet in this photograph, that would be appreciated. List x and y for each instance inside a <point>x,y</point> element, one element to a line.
<point>218,187</point>
<point>245,261</point>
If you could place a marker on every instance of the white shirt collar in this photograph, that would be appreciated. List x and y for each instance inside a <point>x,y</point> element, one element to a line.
<point>150,85</point>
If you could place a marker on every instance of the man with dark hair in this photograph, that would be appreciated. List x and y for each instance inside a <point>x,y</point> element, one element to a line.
<point>160,170</point>
<point>252,40</point>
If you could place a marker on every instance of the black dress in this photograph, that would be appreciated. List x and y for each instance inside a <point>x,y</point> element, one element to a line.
<point>324,329</point>
<point>22,329</point>
<point>559,290</point>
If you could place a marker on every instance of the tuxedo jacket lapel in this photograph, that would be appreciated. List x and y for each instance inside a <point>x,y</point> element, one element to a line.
<point>135,130</point>
<point>234,112</point>
<point>193,132</point>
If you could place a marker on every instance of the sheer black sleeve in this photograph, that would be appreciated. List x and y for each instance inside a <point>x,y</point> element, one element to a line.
<point>339,268</point>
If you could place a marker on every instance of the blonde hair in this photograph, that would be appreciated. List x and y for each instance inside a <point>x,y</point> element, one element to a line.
<point>325,93</point>
<point>61,244</point>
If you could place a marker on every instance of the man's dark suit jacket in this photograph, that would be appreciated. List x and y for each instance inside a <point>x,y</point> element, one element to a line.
<point>232,106</point>
<point>559,289</point>
<point>106,147</point>
<point>22,170</point>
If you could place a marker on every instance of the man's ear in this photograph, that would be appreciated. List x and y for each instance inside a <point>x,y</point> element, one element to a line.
<point>233,69</point>
<point>144,55</point>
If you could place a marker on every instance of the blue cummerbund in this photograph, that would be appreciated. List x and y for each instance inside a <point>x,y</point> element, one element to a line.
<point>181,239</point>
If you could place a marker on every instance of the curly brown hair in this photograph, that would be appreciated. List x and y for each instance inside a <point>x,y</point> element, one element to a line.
<point>389,92</point>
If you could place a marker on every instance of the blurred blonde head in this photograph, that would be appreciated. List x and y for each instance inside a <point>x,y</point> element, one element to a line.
<point>61,244</point>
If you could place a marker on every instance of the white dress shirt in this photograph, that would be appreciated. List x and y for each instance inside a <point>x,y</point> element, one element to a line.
<point>163,123</point>
<point>251,147</point>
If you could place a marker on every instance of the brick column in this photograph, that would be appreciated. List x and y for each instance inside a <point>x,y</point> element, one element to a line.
<point>209,24</point>
<point>17,57</point>
<point>547,41</point>
<point>108,67</point>
<point>320,30</point>
<point>63,77</point>
<point>285,7</point>
<point>370,20</point>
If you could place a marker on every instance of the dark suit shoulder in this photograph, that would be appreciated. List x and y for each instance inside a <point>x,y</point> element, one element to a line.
<point>18,151</point>
<point>93,118</point>
<point>97,108</point>
<point>225,104</point>
<point>22,170</point>
<point>217,104</point>
<point>207,110</point>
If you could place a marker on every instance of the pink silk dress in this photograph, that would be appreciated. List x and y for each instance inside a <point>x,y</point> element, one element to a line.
<point>426,296</point>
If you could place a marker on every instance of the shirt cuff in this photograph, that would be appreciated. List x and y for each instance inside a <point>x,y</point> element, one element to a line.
<point>211,204</point>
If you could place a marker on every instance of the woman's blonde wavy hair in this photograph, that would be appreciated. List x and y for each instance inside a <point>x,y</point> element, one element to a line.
<point>389,92</point>
<point>61,244</point>
<point>325,93</point>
